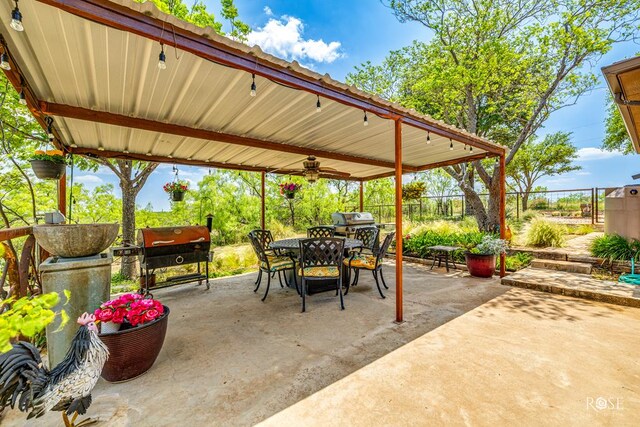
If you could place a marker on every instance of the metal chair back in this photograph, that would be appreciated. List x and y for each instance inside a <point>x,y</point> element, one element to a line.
<point>368,236</point>
<point>384,247</point>
<point>321,252</point>
<point>258,248</point>
<point>320,231</point>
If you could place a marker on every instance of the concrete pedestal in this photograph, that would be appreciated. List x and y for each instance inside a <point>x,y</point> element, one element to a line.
<point>89,281</point>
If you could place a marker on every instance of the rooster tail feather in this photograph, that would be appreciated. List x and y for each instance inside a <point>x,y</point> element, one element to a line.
<point>80,405</point>
<point>19,368</point>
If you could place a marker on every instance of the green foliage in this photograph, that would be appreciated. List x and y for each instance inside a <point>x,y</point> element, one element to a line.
<point>616,136</point>
<point>491,245</point>
<point>232,260</point>
<point>582,229</point>
<point>53,158</point>
<point>27,317</point>
<point>444,233</point>
<point>613,247</point>
<point>529,215</point>
<point>543,233</point>
<point>517,261</point>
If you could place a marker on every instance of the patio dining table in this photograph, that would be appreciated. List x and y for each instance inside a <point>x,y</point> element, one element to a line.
<point>293,245</point>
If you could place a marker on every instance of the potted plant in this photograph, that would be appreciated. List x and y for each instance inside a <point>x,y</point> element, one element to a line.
<point>48,164</point>
<point>289,189</point>
<point>414,190</point>
<point>133,329</point>
<point>481,259</point>
<point>176,189</point>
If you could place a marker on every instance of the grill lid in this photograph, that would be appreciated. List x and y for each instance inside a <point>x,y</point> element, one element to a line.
<point>172,236</point>
<point>352,218</point>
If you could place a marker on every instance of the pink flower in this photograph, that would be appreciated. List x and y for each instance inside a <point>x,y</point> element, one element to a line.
<point>103,315</point>
<point>119,315</point>
<point>151,315</point>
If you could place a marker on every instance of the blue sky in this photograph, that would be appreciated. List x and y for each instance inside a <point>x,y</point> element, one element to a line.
<point>333,36</point>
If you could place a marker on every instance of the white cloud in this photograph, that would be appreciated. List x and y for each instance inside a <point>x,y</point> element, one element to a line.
<point>593,153</point>
<point>89,181</point>
<point>582,173</point>
<point>268,11</point>
<point>283,38</point>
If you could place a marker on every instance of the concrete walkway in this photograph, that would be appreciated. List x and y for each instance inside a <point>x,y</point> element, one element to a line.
<point>525,358</point>
<point>471,352</point>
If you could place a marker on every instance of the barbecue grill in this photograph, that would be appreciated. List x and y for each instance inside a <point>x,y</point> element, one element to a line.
<point>346,223</point>
<point>171,247</point>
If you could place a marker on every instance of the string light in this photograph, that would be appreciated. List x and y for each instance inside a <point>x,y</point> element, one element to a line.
<point>4,62</point>
<point>23,99</point>
<point>253,85</point>
<point>366,121</point>
<point>465,147</point>
<point>49,122</point>
<point>100,148</point>
<point>16,18</point>
<point>428,138</point>
<point>318,106</point>
<point>162,58</point>
<point>471,148</point>
<point>450,144</point>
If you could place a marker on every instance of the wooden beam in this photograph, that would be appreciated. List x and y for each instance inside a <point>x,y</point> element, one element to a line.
<point>113,15</point>
<point>398,185</point>
<point>503,202</point>
<point>362,196</point>
<point>14,233</point>
<point>262,204</point>
<point>62,194</point>
<point>86,114</point>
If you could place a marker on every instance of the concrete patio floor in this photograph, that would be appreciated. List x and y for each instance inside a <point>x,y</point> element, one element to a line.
<point>470,352</point>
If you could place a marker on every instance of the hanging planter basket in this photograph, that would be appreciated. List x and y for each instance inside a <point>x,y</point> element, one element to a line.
<point>45,169</point>
<point>177,196</point>
<point>289,195</point>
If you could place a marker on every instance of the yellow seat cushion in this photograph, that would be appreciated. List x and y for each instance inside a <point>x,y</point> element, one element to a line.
<point>277,263</point>
<point>362,261</point>
<point>323,271</point>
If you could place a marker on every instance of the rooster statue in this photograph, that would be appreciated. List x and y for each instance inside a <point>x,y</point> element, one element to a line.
<point>26,382</point>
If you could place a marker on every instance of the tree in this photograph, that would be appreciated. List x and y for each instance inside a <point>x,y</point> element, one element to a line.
<point>499,68</point>
<point>616,137</point>
<point>551,156</point>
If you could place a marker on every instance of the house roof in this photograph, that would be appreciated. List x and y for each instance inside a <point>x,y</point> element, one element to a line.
<point>623,78</point>
<point>91,65</point>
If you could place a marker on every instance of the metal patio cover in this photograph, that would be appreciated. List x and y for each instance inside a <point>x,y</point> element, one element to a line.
<point>91,65</point>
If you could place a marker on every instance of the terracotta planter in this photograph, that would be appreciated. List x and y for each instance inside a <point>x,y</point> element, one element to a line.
<point>480,265</point>
<point>133,351</point>
<point>177,196</point>
<point>45,169</point>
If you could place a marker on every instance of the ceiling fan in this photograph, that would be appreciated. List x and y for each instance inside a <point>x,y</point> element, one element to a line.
<point>311,170</point>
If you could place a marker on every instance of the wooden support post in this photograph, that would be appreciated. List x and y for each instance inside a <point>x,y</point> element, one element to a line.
<point>62,195</point>
<point>398,158</point>
<point>262,197</point>
<point>503,201</point>
<point>362,197</point>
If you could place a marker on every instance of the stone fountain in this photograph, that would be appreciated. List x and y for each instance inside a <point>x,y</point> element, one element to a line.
<point>78,265</point>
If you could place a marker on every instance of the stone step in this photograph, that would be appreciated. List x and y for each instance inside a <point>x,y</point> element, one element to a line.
<point>568,266</point>
<point>575,285</point>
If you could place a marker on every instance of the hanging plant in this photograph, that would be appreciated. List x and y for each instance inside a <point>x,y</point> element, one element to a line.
<point>414,190</point>
<point>176,189</point>
<point>48,164</point>
<point>289,189</point>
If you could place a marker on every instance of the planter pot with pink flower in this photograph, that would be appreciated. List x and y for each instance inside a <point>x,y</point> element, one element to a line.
<point>133,348</point>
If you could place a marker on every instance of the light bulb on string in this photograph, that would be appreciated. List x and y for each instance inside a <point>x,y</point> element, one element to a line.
<point>318,106</point>
<point>428,137</point>
<point>253,85</point>
<point>450,144</point>
<point>366,121</point>
<point>162,58</point>
<point>16,18</point>
<point>23,98</point>
<point>471,148</point>
<point>4,61</point>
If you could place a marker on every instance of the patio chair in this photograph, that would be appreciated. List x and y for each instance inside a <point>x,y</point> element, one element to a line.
<point>270,261</point>
<point>320,231</point>
<point>369,236</point>
<point>370,262</point>
<point>321,259</point>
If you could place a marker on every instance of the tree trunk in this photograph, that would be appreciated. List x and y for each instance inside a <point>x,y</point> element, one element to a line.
<point>128,266</point>
<point>525,201</point>
<point>468,207</point>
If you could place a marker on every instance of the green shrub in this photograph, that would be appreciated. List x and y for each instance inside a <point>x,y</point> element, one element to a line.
<point>418,243</point>
<point>544,233</point>
<point>517,261</point>
<point>529,215</point>
<point>583,229</point>
<point>613,247</point>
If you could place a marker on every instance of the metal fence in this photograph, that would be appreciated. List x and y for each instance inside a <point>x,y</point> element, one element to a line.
<point>580,206</point>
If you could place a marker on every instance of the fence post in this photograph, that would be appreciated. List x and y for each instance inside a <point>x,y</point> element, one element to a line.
<point>592,206</point>
<point>597,213</point>
<point>517,205</point>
